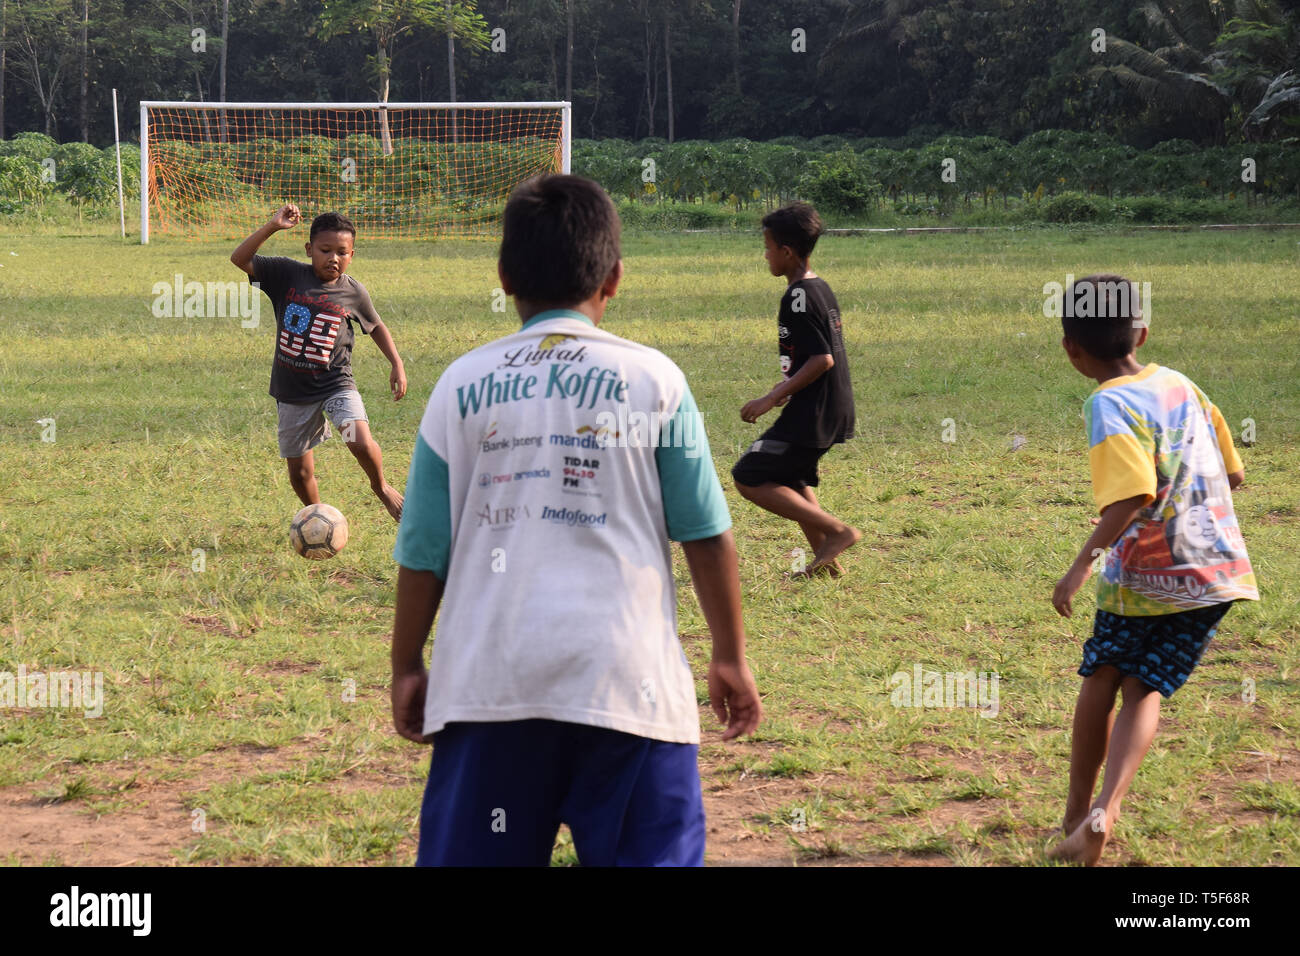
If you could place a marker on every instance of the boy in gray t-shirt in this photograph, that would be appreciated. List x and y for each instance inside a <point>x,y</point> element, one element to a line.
<point>316,305</point>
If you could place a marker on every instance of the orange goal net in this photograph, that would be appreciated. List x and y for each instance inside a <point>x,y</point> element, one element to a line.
<point>399,170</point>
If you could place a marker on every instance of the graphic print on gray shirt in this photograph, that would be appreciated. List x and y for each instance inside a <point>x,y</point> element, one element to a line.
<point>313,327</point>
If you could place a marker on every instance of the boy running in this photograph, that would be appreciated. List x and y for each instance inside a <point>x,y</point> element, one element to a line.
<point>1163,467</point>
<point>779,471</point>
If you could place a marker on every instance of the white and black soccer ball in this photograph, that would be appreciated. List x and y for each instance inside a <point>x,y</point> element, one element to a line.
<point>318,532</point>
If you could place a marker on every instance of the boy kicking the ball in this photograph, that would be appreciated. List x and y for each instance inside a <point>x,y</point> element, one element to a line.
<point>316,306</point>
<point>558,691</point>
<point>779,471</point>
<point>1163,467</point>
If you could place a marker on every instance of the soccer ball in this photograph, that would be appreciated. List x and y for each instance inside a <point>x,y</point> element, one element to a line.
<point>318,532</point>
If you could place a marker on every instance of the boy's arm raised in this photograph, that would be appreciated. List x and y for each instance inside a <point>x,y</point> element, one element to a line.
<point>715,573</point>
<point>286,217</point>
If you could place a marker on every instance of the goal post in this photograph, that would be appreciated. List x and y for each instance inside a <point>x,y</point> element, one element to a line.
<point>398,170</point>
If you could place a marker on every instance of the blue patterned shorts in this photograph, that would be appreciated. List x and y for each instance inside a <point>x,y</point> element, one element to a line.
<point>1160,650</point>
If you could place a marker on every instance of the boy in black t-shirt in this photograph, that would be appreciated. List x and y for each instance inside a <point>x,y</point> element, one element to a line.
<point>316,305</point>
<point>780,469</point>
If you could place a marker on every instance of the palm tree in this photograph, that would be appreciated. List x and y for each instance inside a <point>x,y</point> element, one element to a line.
<point>1261,55</point>
<point>894,21</point>
<point>1216,59</point>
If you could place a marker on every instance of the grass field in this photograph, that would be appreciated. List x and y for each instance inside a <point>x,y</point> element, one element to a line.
<point>227,735</point>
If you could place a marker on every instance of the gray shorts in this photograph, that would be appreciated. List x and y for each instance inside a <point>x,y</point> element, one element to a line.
<point>303,427</point>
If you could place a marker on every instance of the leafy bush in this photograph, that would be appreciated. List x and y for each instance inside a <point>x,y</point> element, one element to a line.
<point>1146,209</point>
<point>33,146</point>
<point>1075,207</point>
<point>907,208</point>
<point>1164,210</point>
<point>85,174</point>
<point>360,146</point>
<point>81,172</point>
<point>1202,210</point>
<point>315,145</point>
<point>130,167</point>
<point>679,215</point>
<point>20,182</point>
<point>841,182</point>
<point>826,144</point>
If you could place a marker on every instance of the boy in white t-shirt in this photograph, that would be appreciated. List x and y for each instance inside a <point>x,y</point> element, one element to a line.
<point>551,469</point>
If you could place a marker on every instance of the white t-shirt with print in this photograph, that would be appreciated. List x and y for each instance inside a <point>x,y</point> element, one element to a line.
<point>550,471</point>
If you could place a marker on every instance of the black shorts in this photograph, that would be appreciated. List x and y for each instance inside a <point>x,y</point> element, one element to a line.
<point>778,462</point>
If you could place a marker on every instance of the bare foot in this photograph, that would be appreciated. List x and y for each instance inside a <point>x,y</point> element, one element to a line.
<point>392,501</point>
<point>833,546</point>
<point>1086,843</point>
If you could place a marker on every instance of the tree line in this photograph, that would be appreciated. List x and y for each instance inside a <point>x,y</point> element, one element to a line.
<point>1213,72</point>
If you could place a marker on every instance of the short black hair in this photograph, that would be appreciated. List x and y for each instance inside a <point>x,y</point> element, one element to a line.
<point>559,239</point>
<point>796,225</point>
<point>332,222</point>
<point>1098,314</point>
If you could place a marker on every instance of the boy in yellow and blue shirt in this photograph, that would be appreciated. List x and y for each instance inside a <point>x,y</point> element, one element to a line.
<point>1163,470</point>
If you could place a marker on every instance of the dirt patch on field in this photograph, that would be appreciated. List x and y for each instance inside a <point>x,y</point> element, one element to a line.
<point>285,667</point>
<point>757,818</point>
<point>744,813</point>
<point>39,826</point>
<point>33,831</point>
<point>752,818</point>
<point>143,812</point>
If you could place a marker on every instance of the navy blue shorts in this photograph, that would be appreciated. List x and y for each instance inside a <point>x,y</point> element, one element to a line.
<point>498,792</point>
<point>1159,650</point>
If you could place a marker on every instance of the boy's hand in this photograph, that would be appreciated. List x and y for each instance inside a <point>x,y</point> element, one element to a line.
<point>714,572</point>
<point>286,217</point>
<point>1068,587</point>
<point>408,703</point>
<point>814,368</point>
<point>734,697</point>
<point>756,409</point>
<point>397,381</point>
<point>1115,517</point>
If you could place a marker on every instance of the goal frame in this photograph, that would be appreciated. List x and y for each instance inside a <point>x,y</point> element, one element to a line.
<point>565,107</point>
